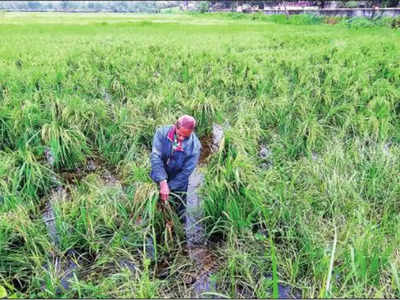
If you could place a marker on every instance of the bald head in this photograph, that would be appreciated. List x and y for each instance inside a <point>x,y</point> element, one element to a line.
<point>187,122</point>
<point>184,127</point>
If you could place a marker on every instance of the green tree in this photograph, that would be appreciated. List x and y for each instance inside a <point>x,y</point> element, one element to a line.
<point>391,3</point>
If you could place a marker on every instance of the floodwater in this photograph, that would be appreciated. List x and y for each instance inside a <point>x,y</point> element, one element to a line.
<point>195,233</point>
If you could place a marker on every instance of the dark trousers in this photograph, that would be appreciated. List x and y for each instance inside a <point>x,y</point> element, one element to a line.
<point>178,202</point>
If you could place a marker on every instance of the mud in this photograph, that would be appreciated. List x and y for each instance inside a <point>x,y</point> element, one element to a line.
<point>203,284</point>
<point>206,148</point>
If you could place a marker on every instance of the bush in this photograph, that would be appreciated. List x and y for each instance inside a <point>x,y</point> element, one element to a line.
<point>358,22</point>
<point>383,21</point>
<point>395,23</point>
<point>302,19</point>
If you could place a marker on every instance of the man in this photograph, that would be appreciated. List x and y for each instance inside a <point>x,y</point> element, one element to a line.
<point>174,156</point>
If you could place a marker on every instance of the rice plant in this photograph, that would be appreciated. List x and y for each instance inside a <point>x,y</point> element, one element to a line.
<point>300,198</point>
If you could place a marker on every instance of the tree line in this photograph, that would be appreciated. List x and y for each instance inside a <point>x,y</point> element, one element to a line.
<point>110,6</point>
<point>158,6</point>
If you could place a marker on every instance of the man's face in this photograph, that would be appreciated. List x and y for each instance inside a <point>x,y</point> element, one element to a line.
<point>182,133</point>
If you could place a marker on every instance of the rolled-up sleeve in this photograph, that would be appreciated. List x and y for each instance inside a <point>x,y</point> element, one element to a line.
<point>180,181</point>
<point>158,172</point>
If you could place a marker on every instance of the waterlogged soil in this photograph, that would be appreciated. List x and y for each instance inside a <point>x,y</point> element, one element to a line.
<point>195,234</point>
<point>93,165</point>
<point>206,148</point>
<point>200,254</point>
<point>49,217</point>
<point>67,266</point>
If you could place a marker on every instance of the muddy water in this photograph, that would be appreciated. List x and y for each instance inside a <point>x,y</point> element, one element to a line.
<point>285,291</point>
<point>194,229</point>
<point>65,266</point>
<point>58,194</point>
<point>265,154</point>
<point>203,284</point>
<point>195,233</point>
<point>218,135</point>
<point>125,263</point>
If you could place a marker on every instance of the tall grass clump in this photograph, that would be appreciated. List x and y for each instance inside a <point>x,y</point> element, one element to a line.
<point>23,250</point>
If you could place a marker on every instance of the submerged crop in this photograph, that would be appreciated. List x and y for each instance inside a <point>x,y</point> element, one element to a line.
<point>309,158</point>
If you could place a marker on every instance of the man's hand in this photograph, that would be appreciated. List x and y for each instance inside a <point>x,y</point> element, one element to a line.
<point>164,190</point>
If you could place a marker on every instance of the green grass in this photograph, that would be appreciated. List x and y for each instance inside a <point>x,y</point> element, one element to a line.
<point>323,217</point>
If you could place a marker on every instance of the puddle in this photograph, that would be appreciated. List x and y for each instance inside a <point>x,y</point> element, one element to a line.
<point>286,291</point>
<point>203,284</point>
<point>195,233</point>
<point>265,154</point>
<point>387,148</point>
<point>218,135</point>
<point>109,179</point>
<point>125,263</point>
<point>49,156</point>
<point>57,194</point>
<point>106,95</point>
<point>163,269</point>
<point>65,266</point>
<point>314,156</point>
<point>49,219</point>
<point>95,165</point>
<point>68,274</point>
<point>150,251</point>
